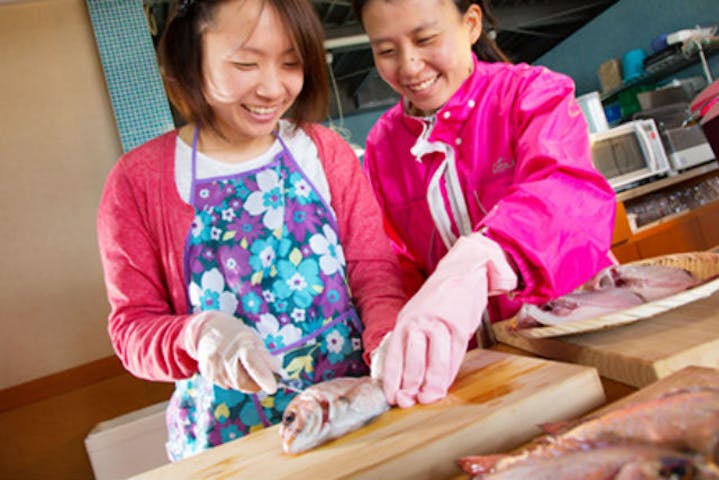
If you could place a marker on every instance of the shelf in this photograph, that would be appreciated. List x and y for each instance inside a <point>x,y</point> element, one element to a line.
<point>679,64</point>
<point>665,182</point>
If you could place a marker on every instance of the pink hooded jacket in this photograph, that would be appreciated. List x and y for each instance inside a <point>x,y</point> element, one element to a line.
<point>520,147</point>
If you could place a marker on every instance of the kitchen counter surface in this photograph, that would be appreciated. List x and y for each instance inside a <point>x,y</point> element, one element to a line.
<point>668,181</point>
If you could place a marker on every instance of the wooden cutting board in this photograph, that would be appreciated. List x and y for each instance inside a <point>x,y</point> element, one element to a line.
<point>639,353</point>
<point>495,404</point>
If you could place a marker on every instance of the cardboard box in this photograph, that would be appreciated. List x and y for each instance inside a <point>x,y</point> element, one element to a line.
<point>610,75</point>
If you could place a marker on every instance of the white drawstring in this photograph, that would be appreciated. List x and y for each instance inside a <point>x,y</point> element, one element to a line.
<point>447,170</point>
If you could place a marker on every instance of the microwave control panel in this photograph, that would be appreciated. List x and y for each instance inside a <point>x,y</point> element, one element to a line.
<point>656,145</point>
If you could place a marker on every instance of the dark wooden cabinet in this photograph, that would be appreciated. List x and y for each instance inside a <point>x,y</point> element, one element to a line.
<point>678,236</point>
<point>709,224</point>
<point>690,230</point>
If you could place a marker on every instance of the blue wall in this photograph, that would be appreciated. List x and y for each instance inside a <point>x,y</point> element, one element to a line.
<point>358,124</point>
<point>627,25</point>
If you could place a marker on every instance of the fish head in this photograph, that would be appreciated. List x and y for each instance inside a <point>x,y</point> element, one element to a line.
<point>305,422</point>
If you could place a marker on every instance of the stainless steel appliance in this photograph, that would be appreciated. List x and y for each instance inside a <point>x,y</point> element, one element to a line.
<point>687,147</point>
<point>685,144</point>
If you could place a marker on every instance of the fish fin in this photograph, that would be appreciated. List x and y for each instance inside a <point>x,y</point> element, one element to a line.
<point>689,389</point>
<point>479,464</point>
<point>554,428</point>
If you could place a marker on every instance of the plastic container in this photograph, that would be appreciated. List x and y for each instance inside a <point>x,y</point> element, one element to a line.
<point>591,105</point>
<point>633,64</point>
<point>659,43</point>
<point>628,99</point>
<point>129,444</point>
<point>613,112</point>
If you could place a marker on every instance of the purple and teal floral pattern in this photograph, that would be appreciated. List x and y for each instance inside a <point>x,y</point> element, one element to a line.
<point>264,247</point>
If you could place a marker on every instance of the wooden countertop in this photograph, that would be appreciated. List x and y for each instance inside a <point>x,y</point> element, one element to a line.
<point>665,182</point>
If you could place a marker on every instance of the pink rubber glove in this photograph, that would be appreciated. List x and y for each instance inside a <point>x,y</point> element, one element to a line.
<point>430,339</point>
<point>230,354</point>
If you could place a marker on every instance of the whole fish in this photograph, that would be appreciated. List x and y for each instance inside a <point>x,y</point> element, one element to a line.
<point>686,418</point>
<point>329,410</point>
<point>625,462</point>
<point>683,419</point>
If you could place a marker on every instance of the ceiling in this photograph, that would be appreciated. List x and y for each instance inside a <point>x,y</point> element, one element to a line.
<point>527,29</point>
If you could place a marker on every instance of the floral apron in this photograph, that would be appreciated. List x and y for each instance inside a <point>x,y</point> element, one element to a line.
<point>264,247</point>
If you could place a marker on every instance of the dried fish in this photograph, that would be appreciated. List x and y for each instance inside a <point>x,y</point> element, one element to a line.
<point>626,462</point>
<point>683,419</point>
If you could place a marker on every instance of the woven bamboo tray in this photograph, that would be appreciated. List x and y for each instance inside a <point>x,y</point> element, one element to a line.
<point>702,265</point>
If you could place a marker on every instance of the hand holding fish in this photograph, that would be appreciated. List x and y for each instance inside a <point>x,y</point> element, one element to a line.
<point>230,354</point>
<point>433,329</point>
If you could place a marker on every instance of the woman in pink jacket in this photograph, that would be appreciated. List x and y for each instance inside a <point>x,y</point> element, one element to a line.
<point>484,174</point>
<point>242,247</point>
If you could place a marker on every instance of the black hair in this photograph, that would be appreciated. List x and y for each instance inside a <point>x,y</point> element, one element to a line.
<point>485,47</point>
<point>180,58</point>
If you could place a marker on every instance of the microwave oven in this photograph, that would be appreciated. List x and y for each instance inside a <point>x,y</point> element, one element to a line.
<point>629,153</point>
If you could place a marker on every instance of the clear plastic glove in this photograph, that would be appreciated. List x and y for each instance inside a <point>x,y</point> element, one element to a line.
<point>377,357</point>
<point>230,354</point>
<point>426,348</point>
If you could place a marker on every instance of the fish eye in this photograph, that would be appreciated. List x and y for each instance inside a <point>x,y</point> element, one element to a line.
<point>676,469</point>
<point>288,418</point>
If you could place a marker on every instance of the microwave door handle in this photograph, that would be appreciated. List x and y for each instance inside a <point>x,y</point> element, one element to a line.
<point>646,148</point>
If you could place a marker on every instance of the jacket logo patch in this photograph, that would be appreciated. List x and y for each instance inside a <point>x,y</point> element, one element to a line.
<point>502,165</point>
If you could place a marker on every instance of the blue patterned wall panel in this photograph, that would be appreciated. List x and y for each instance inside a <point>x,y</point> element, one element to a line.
<point>133,79</point>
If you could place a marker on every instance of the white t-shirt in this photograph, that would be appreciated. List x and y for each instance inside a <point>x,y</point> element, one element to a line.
<point>298,142</point>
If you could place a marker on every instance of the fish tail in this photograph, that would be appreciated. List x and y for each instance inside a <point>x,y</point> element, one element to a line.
<point>479,464</point>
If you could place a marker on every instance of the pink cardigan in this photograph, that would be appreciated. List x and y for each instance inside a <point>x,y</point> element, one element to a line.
<point>142,224</point>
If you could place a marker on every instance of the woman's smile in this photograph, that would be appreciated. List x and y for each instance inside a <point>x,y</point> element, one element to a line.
<point>422,85</point>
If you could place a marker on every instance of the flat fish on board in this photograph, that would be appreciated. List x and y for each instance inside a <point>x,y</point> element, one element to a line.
<point>684,419</point>
<point>575,306</point>
<point>330,409</point>
<point>651,282</point>
<point>625,462</point>
<point>612,290</point>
